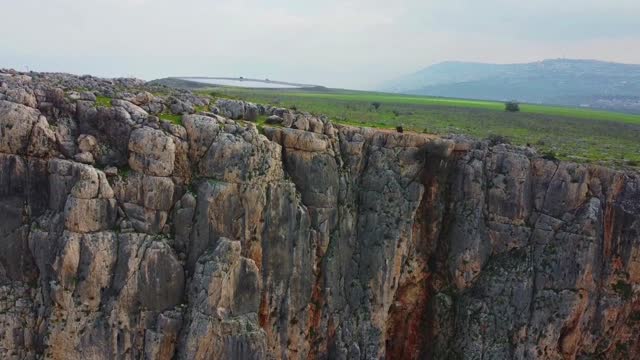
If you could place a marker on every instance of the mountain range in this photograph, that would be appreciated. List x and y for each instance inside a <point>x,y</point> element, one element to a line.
<point>584,83</point>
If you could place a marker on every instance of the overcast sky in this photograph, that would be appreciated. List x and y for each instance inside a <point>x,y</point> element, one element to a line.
<point>352,44</point>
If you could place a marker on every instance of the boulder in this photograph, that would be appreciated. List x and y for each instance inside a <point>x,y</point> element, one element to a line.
<point>85,158</point>
<point>151,152</point>
<point>22,96</point>
<point>232,109</point>
<point>274,120</point>
<point>89,215</point>
<point>143,98</point>
<point>16,122</point>
<point>137,113</point>
<point>227,304</point>
<point>251,112</point>
<point>87,143</point>
<point>180,107</point>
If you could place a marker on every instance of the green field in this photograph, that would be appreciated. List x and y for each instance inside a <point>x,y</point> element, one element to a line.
<point>575,134</point>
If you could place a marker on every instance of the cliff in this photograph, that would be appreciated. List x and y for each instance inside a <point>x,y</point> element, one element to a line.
<point>126,236</point>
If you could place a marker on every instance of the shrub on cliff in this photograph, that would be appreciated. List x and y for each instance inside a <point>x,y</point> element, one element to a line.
<point>498,139</point>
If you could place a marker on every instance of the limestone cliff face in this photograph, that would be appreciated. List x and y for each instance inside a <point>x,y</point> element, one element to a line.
<point>123,236</point>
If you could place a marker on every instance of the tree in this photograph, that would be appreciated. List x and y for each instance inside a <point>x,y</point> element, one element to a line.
<point>376,104</point>
<point>512,106</point>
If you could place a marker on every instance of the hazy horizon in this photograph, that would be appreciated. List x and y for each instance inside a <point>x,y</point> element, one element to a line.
<point>353,44</point>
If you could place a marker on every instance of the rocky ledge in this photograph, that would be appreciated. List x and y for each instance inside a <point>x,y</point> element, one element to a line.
<point>126,236</point>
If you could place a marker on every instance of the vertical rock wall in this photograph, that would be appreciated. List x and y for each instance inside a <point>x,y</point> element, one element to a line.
<point>212,240</point>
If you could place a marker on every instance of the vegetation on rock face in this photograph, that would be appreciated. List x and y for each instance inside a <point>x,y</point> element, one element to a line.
<point>623,289</point>
<point>125,171</point>
<point>574,134</point>
<point>103,101</point>
<point>200,108</point>
<point>261,121</point>
<point>498,139</point>
<point>175,119</point>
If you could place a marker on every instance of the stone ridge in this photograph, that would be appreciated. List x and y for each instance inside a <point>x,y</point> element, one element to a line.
<point>126,236</point>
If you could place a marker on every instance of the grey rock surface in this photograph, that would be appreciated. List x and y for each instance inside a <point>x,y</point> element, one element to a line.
<point>211,240</point>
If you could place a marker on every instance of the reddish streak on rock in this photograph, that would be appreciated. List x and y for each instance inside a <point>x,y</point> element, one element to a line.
<point>264,311</point>
<point>315,315</point>
<point>315,307</point>
<point>255,253</point>
<point>405,334</point>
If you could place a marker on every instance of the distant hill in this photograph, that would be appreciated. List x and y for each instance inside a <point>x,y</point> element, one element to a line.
<point>200,82</point>
<point>179,83</point>
<point>587,83</point>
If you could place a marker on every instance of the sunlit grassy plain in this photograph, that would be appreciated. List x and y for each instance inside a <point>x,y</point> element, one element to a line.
<point>576,134</point>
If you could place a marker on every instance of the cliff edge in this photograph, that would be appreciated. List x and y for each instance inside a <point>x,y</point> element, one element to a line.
<point>126,236</point>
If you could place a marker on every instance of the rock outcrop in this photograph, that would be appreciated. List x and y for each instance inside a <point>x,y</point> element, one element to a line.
<point>126,236</point>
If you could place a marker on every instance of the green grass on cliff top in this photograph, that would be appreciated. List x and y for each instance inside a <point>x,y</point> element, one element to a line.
<point>575,134</point>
